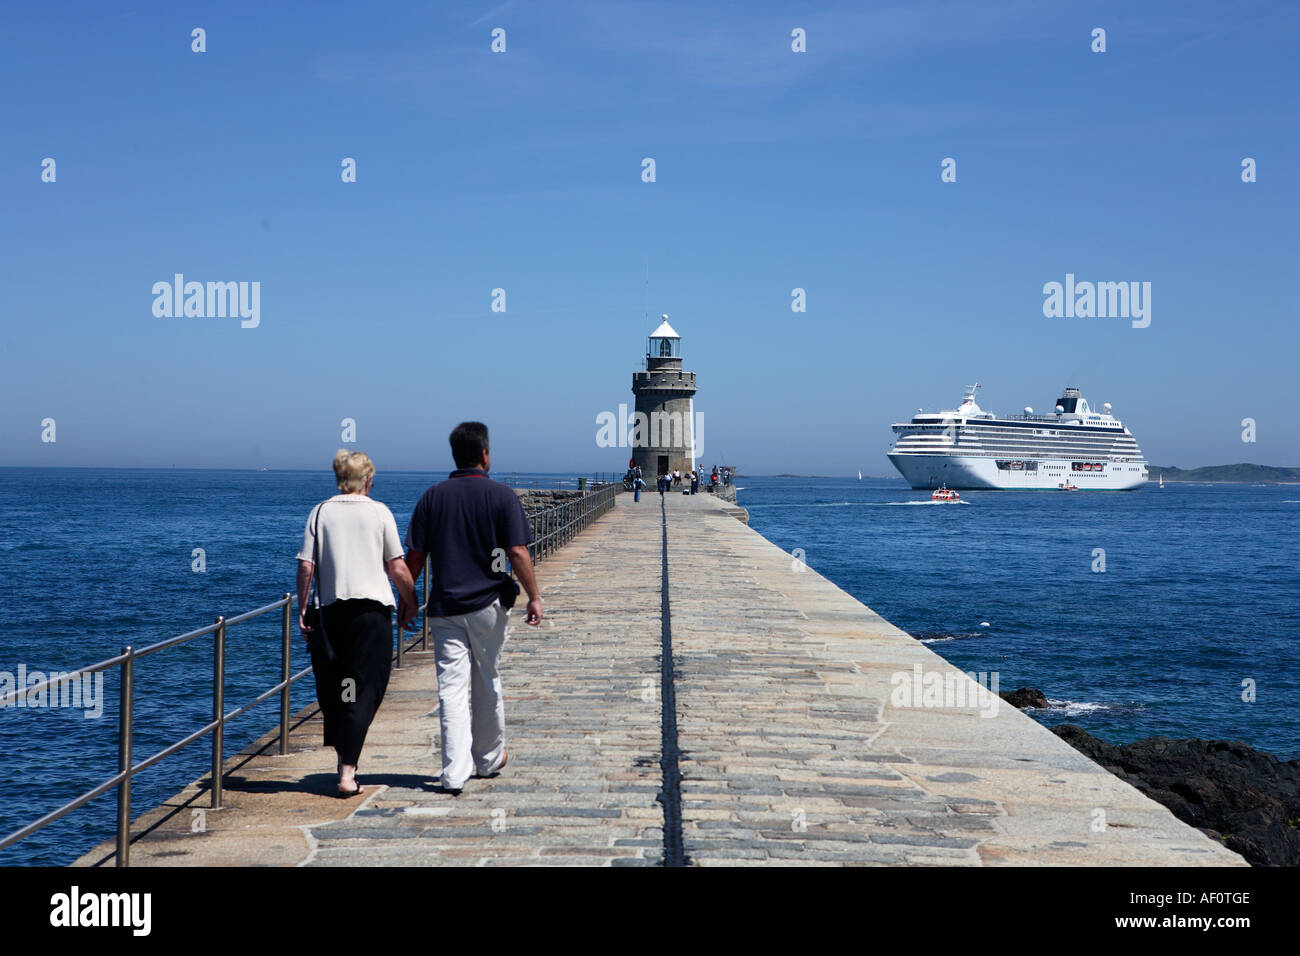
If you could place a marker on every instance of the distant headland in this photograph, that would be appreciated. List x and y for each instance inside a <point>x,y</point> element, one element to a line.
<point>1267,474</point>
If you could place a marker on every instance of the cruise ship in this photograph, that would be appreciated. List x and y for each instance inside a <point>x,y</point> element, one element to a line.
<point>968,447</point>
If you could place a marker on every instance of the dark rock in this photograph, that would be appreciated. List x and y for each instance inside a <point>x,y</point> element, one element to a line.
<point>1024,697</point>
<point>1248,799</point>
<point>535,500</point>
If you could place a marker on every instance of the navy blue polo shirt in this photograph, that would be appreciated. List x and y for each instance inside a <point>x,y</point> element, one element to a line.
<point>458,523</point>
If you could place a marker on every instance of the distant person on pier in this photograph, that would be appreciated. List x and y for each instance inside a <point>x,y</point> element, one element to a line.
<point>713,479</point>
<point>352,549</point>
<point>695,482</point>
<point>677,477</point>
<point>468,525</point>
<point>637,484</point>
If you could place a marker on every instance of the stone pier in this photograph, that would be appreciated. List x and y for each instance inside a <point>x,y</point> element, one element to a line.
<point>780,744</point>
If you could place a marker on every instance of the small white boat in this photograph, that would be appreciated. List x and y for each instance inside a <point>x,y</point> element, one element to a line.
<point>859,476</point>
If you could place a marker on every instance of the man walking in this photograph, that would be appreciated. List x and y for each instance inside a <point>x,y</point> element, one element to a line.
<point>469,525</point>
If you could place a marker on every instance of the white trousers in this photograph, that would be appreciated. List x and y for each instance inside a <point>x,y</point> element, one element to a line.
<point>471,710</point>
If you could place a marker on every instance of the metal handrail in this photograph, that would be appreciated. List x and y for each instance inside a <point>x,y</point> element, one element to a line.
<point>551,528</point>
<point>13,695</point>
<point>556,526</point>
<point>127,768</point>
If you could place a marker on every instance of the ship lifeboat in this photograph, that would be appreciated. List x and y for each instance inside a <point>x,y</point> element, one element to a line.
<point>944,493</point>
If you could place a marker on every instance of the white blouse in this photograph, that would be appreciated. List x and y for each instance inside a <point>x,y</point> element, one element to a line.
<point>358,537</point>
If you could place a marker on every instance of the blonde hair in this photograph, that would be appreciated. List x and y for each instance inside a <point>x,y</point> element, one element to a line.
<point>352,469</point>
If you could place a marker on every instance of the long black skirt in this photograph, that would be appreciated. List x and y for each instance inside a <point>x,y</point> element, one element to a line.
<point>350,688</point>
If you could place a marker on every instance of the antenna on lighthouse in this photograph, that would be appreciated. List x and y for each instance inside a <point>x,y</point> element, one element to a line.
<point>647,306</point>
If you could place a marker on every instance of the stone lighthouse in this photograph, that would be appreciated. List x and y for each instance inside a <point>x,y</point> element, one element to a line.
<point>664,422</point>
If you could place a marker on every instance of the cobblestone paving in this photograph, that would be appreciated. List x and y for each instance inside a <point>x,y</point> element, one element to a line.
<point>583,731</point>
<point>791,751</point>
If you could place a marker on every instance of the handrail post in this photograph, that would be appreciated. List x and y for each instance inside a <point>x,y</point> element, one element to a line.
<point>397,628</point>
<point>218,709</point>
<point>285,654</point>
<point>124,726</point>
<point>424,636</point>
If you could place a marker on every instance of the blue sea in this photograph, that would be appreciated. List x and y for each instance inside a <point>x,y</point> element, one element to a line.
<point>1197,603</point>
<point>92,560</point>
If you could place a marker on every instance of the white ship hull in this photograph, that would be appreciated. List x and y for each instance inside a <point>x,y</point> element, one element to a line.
<point>970,448</point>
<point>966,472</point>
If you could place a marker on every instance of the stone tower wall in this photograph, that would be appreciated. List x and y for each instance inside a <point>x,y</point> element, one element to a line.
<point>664,396</point>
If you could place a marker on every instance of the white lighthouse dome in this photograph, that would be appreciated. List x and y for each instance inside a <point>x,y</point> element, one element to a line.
<point>665,331</point>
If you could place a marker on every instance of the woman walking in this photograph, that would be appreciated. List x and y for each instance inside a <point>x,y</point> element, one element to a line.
<point>352,549</point>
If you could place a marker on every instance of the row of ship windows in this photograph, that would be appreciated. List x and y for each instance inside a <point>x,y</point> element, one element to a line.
<point>1055,451</point>
<point>1042,444</point>
<point>1014,437</point>
<point>1014,433</point>
<point>1028,443</point>
<point>1052,462</point>
<point>1005,429</point>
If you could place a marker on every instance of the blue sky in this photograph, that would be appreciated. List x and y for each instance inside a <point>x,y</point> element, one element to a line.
<point>522,170</point>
